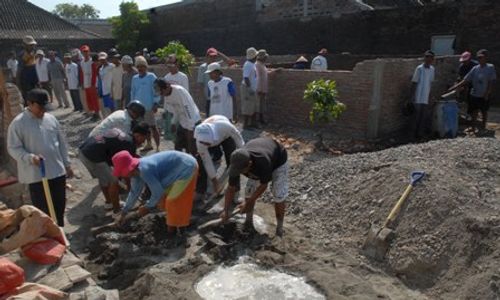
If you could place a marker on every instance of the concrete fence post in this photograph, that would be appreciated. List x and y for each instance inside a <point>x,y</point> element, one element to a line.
<point>376,99</point>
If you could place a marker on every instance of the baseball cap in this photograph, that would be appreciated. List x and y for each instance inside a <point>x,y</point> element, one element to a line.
<point>29,40</point>
<point>482,52</point>
<point>84,48</point>
<point>127,60</point>
<point>429,53</point>
<point>124,163</point>
<point>39,52</point>
<point>323,51</point>
<point>213,67</point>
<point>465,56</point>
<point>102,55</point>
<point>205,133</point>
<point>239,161</point>
<point>251,53</point>
<point>212,52</point>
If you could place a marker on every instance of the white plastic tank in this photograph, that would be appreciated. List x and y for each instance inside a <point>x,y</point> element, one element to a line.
<point>446,118</point>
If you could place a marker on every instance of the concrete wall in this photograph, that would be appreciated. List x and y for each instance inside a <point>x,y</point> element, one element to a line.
<point>374,92</point>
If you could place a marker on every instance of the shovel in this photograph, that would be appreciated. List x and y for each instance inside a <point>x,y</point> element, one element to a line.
<point>379,239</point>
<point>48,198</point>
<point>214,223</point>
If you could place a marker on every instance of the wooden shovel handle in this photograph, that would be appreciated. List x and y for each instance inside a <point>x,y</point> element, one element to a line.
<point>395,210</point>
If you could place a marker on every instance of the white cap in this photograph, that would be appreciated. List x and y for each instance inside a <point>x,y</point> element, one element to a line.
<point>213,67</point>
<point>29,40</point>
<point>205,133</point>
<point>127,60</point>
<point>39,52</point>
<point>102,55</point>
<point>251,53</point>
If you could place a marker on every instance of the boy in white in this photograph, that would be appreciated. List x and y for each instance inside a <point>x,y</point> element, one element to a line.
<point>213,133</point>
<point>106,78</point>
<point>421,86</point>
<point>222,93</point>
<point>175,76</point>
<point>249,103</point>
<point>180,103</point>
<point>71,69</point>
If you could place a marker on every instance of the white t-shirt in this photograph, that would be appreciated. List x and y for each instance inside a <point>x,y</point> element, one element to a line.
<point>106,74</point>
<point>423,77</point>
<point>319,63</point>
<point>178,78</point>
<point>41,69</point>
<point>182,106</point>
<point>116,82</point>
<point>221,102</point>
<point>250,72</point>
<point>87,72</point>
<point>220,129</point>
<point>72,75</point>
<point>12,66</point>
<point>119,119</point>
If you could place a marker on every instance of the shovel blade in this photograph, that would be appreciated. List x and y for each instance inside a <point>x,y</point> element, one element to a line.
<point>378,242</point>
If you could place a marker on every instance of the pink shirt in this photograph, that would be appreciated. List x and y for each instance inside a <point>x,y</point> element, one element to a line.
<point>261,77</point>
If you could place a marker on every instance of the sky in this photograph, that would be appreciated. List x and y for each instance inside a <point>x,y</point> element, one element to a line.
<point>107,8</point>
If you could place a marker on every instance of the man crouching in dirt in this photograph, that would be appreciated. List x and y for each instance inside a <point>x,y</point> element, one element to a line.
<point>170,175</point>
<point>262,160</point>
<point>96,154</point>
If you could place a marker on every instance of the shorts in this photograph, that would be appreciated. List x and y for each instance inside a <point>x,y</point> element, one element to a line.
<point>102,171</point>
<point>149,118</point>
<point>249,101</point>
<point>476,103</point>
<point>279,185</point>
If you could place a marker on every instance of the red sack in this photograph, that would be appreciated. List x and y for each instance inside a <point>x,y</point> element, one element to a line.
<point>11,276</point>
<point>44,251</point>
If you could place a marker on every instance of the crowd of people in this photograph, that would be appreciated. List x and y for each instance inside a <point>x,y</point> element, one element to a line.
<point>125,96</point>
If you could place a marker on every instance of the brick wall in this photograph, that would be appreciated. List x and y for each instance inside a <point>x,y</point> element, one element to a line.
<point>356,89</point>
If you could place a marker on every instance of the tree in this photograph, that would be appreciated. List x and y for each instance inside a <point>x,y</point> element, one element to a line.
<point>128,26</point>
<point>73,11</point>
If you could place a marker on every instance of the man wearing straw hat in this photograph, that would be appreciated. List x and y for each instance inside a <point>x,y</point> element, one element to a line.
<point>35,135</point>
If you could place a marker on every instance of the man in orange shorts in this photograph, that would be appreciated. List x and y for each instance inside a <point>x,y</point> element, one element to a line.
<point>170,175</point>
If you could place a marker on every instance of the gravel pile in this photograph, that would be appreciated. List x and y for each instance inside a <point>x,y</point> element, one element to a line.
<point>447,236</point>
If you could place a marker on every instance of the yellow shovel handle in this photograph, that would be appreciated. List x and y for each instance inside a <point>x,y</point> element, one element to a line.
<point>48,198</point>
<point>395,210</point>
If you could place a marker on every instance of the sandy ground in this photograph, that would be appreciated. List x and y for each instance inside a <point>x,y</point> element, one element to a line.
<point>137,261</point>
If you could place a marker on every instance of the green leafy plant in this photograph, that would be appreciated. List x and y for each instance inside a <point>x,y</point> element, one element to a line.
<point>324,98</point>
<point>184,57</point>
<point>129,26</point>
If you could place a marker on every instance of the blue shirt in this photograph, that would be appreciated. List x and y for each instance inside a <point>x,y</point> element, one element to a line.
<point>481,77</point>
<point>143,89</point>
<point>159,171</point>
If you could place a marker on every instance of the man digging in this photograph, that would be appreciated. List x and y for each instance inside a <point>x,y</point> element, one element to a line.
<point>262,160</point>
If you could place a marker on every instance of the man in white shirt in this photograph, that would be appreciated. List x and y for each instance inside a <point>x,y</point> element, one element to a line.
<point>12,66</point>
<point>116,81</point>
<point>42,72</point>
<point>175,76</point>
<point>249,101</point>
<point>185,112</point>
<point>105,78</point>
<point>73,82</point>
<point>421,88</point>
<point>214,133</point>
<point>222,93</point>
<point>319,63</point>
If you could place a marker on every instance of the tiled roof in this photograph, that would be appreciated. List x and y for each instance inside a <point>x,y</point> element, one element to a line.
<point>20,17</point>
<point>101,27</point>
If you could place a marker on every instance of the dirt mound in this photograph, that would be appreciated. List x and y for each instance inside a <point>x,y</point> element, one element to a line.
<point>447,239</point>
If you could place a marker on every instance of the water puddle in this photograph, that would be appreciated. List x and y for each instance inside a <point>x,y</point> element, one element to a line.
<point>248,281</point>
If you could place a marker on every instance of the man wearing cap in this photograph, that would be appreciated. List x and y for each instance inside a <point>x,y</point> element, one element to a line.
<point>42,72</point>
<point>96,153</point>
<point>222,93</point>
<point>117,80</point>
<point>35,135</point>
<point>319,63</point>
<point>105,82</point>
<point>121,119</point>
<point>214,133</point>
<point>482,79</point>
<point>262,160</point>
<point>143,90</point>
<point>89,78</point>
<point>26,72</point>
<point>175,76</point>
<point>421,89</point>
<point>73,81</point>
<point>203,78</point>
<point>185,112</point>
<point>12,65</point>
<point>170,175</point>
<point>466,65</point>
<point>57,76</point>
<point>248,89</point>
<point>129,71</point>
